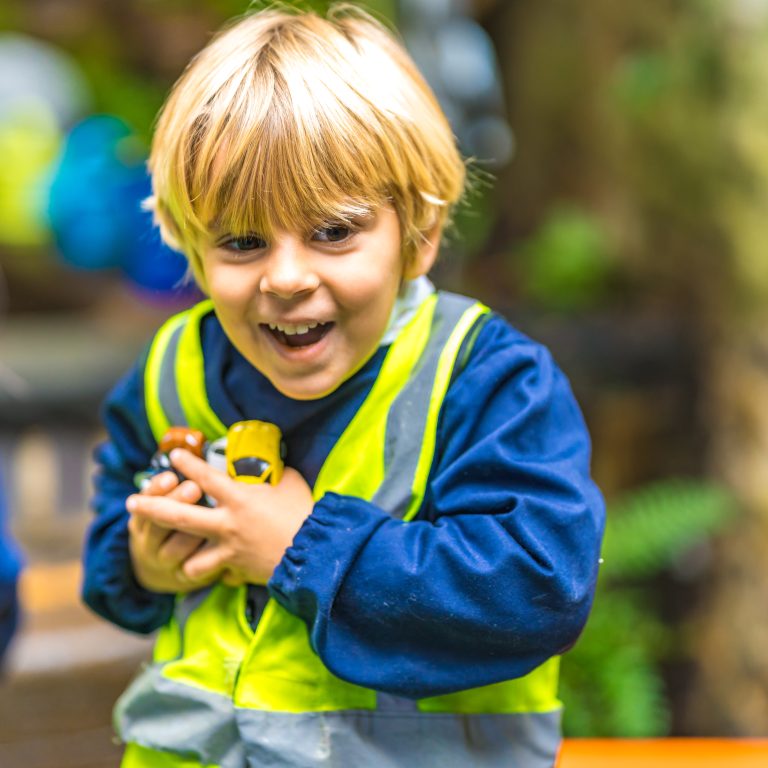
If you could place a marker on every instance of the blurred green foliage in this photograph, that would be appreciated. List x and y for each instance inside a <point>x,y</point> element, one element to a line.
<point>473,217</point>
<point>642,81</point>
<point>650,117</point>
<point>680,97</point>
<point>109,43</point>
<point>611,682</point>
<point>566,264</point>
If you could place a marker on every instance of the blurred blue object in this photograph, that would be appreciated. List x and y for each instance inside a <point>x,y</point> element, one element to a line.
<point>88,207</point>
<point>10,565</point>
<point>95,207</point>
<point>458,60</point>
<point>149,263</point>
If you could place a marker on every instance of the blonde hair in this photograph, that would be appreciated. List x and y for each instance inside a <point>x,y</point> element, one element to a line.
<point>288,120</point>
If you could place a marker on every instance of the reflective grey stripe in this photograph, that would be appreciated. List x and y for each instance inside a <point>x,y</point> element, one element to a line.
<point>393,740</point>
<point>387,702</point>
<point>168,395</point>
<point>187,603</point>
<point>407,418</point>
<point>168,386</point>
<point>172,717</point>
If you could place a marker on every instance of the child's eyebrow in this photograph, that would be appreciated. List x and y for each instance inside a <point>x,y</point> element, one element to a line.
<point>356,214</point>
<point>219,226</point>
<point>351,212</point>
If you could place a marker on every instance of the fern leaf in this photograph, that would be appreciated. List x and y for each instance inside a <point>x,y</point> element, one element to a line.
<point>651,527</point>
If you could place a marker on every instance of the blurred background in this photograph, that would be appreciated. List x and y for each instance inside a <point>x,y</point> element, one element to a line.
<point>617,213</point>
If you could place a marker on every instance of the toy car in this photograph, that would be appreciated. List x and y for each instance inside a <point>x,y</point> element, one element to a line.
<point>192,440</point>
<point>255,452</point>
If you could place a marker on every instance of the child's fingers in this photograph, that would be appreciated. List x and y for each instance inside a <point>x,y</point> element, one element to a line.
<point>161,484</point>
<point>148,536</point>
<point>178,547</point>
<point>137,526</point>
<point>154,535</point>
<point>212,481</point>
<point>206,562</point>
<point>177,515</point>
<point>188,491</point>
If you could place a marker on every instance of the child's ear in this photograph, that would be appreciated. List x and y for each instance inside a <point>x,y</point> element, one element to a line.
<point>422,260</point>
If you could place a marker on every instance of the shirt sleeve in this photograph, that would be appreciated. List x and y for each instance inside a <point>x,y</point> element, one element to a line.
<point>109,586</point>
<point>10,565</point>
<point>498,571</point>
<point>10,556</point>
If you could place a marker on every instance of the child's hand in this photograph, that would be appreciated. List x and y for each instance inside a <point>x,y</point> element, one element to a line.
<point>157,552</point>
<point>249,529</point>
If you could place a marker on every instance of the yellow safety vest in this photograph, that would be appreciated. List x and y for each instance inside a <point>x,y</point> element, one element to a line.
<point>223,695</point>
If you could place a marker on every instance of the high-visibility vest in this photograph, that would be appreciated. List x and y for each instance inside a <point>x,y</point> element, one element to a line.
<point>219,693</point>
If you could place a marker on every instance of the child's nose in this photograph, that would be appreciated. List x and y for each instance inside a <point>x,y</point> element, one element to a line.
<point>288,271</point>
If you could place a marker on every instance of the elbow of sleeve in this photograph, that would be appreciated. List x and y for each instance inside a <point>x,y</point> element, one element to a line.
<point>574,586</point>
<point>141,613</point>
<point>574,628</point>
<point>569,618</point>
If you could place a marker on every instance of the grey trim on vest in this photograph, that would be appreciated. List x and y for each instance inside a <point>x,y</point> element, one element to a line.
<point>406,421</point>
<point>162,714</point>
<point>388,702</point>
<point>468,344</point>
<point>394,740</point>
<point>169,393</point>
<point>188,603</point>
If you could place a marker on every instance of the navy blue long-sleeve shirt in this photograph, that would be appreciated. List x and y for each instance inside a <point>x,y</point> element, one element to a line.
<point>494,575</point>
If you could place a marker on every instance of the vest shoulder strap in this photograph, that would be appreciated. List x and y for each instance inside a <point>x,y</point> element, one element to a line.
<point>174,377</point>
<point>414,413</point>
<point>386,452</point>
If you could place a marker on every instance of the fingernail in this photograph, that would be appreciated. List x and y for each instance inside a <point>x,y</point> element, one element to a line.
<point>175,454</point>
<point>130,503</point>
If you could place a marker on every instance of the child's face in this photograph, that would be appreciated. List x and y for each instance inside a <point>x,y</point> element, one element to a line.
<point>308,310</point>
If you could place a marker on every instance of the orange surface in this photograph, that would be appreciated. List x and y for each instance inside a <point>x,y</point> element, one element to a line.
<point>50,586</point>
<point>664,753</point>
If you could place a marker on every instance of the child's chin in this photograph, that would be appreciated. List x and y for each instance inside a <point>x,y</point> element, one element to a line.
<point>308,388</point>
<point>312,385</point>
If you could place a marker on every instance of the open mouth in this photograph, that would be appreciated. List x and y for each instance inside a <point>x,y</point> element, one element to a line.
<point>297,335</point>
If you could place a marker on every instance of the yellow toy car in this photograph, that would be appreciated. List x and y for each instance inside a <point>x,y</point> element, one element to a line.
<point>255,452</point>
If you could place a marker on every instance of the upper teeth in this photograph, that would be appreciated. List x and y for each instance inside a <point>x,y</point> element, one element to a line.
<point>292,330</point>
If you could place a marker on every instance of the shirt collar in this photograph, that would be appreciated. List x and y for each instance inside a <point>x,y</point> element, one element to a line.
<point>412,294</point>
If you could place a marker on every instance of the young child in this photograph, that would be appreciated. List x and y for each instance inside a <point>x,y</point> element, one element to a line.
<point>401,596</point>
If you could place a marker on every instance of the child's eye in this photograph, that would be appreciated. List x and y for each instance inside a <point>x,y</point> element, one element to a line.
<point>244,243</point>
<point>333,233</point>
